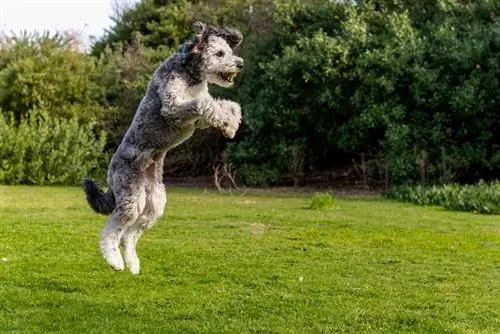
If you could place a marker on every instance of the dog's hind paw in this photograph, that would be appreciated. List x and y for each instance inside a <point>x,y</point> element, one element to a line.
<point>113,258</point>
<point>116,263</point>
<point>133,263</point>
<point>135,269</point>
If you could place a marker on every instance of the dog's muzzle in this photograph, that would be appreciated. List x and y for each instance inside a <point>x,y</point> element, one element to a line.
<point>239,64</point>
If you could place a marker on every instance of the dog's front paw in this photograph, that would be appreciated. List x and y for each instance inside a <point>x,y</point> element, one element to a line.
<point>230,118</point>
<point>231,107</point>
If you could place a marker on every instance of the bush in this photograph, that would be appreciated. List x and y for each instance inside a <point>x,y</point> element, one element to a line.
<point>321,201</point>
<point>483,197</point>
<point>258,176</point>
<point>44,150</point>
<point>384,78</point>
<point>49,72</point>
<point>419,195</point>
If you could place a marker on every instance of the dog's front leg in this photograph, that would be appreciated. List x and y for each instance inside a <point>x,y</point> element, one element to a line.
<point>203,113</point>
<point>229,115</point>
<point>202,124</point>
<point>224,115</point>
<point>190,112</point>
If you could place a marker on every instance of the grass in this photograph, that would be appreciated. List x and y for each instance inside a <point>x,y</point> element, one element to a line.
<point>249,264</point>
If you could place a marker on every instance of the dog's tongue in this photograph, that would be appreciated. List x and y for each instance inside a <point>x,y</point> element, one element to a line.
<point>230,76</point>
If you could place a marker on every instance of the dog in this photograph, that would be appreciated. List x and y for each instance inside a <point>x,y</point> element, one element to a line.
<point>176,103</point>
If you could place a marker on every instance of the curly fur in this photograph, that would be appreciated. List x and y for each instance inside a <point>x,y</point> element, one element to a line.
<point>177,102</point>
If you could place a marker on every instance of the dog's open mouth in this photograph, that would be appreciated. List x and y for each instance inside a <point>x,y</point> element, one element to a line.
<point>227,76</point>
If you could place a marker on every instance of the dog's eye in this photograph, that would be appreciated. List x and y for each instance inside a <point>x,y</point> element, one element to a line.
<point>220,54</point>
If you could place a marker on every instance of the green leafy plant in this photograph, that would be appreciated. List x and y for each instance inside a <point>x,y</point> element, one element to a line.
<point>482,197</point>
<point>258,176</point>
<point>48,150</point>
<point>321,201</point>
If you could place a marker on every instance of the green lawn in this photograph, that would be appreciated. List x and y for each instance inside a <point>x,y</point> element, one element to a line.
<point>249,264</point>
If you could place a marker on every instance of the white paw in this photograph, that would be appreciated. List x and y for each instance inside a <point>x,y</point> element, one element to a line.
<point>135,270</point>
<point>114,259</point>
<point>230,119</point>
<point>111,253</point>
<point>233,108</point>
<point>229,133</point>
<point>133,263</point>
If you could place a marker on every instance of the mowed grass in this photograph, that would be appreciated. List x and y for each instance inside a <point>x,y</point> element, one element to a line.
<point>220,263</point>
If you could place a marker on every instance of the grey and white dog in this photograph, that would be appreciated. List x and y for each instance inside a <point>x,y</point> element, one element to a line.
<point>177,102</point>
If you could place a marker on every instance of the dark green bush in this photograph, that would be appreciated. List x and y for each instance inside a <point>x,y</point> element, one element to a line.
<point>483,197</point>
<point>258,176</point>
<point>413,83</point>
<point>48,150</point>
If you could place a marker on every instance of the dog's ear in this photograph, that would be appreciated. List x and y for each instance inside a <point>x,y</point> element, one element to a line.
<point>233,37</point>
<point>200,28</point>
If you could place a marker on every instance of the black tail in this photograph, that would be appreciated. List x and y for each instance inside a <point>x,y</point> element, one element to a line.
<point>99,201</point>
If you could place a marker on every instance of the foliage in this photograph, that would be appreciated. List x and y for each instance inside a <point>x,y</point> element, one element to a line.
<point>410,86</point>
<point>416,91</point>
<point>167,24</point>
<point>49,102</point>
<point>483,197</point>
<point>163,25</point>
<point>321,201</point>
<point>41,149</point>
<point>261,175</point>
<point>48,70</point>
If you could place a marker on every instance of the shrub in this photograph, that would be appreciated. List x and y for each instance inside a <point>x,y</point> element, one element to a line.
<point>321,201</point>
<point>258,176</point>
<point>403,85</point>
<point>43,150</point>
<point>49,72</point>
<point>418,194</point>
<point>483,197</point>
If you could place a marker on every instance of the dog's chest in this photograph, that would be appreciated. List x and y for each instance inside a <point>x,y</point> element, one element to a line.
<point>195,92</point>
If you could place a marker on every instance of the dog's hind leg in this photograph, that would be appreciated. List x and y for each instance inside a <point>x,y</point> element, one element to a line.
<point>155,205</point>
<point>130,239</point>
<point>125,214</point>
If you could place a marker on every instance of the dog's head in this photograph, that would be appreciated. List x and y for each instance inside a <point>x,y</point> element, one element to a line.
<point>214,48</point>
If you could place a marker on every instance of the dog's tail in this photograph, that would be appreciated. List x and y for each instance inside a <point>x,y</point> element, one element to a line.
<point>100,201</point>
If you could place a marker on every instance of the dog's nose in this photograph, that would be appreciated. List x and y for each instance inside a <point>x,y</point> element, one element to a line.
<point>239,64</point>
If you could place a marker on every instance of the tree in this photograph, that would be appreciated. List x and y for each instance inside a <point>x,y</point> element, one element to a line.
<point>411,92</point>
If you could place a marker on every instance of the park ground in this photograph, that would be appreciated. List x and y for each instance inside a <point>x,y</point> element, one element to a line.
<point>249,263</point>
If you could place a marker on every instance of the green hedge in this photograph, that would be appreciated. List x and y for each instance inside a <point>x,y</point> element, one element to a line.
<point>482,197</point>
